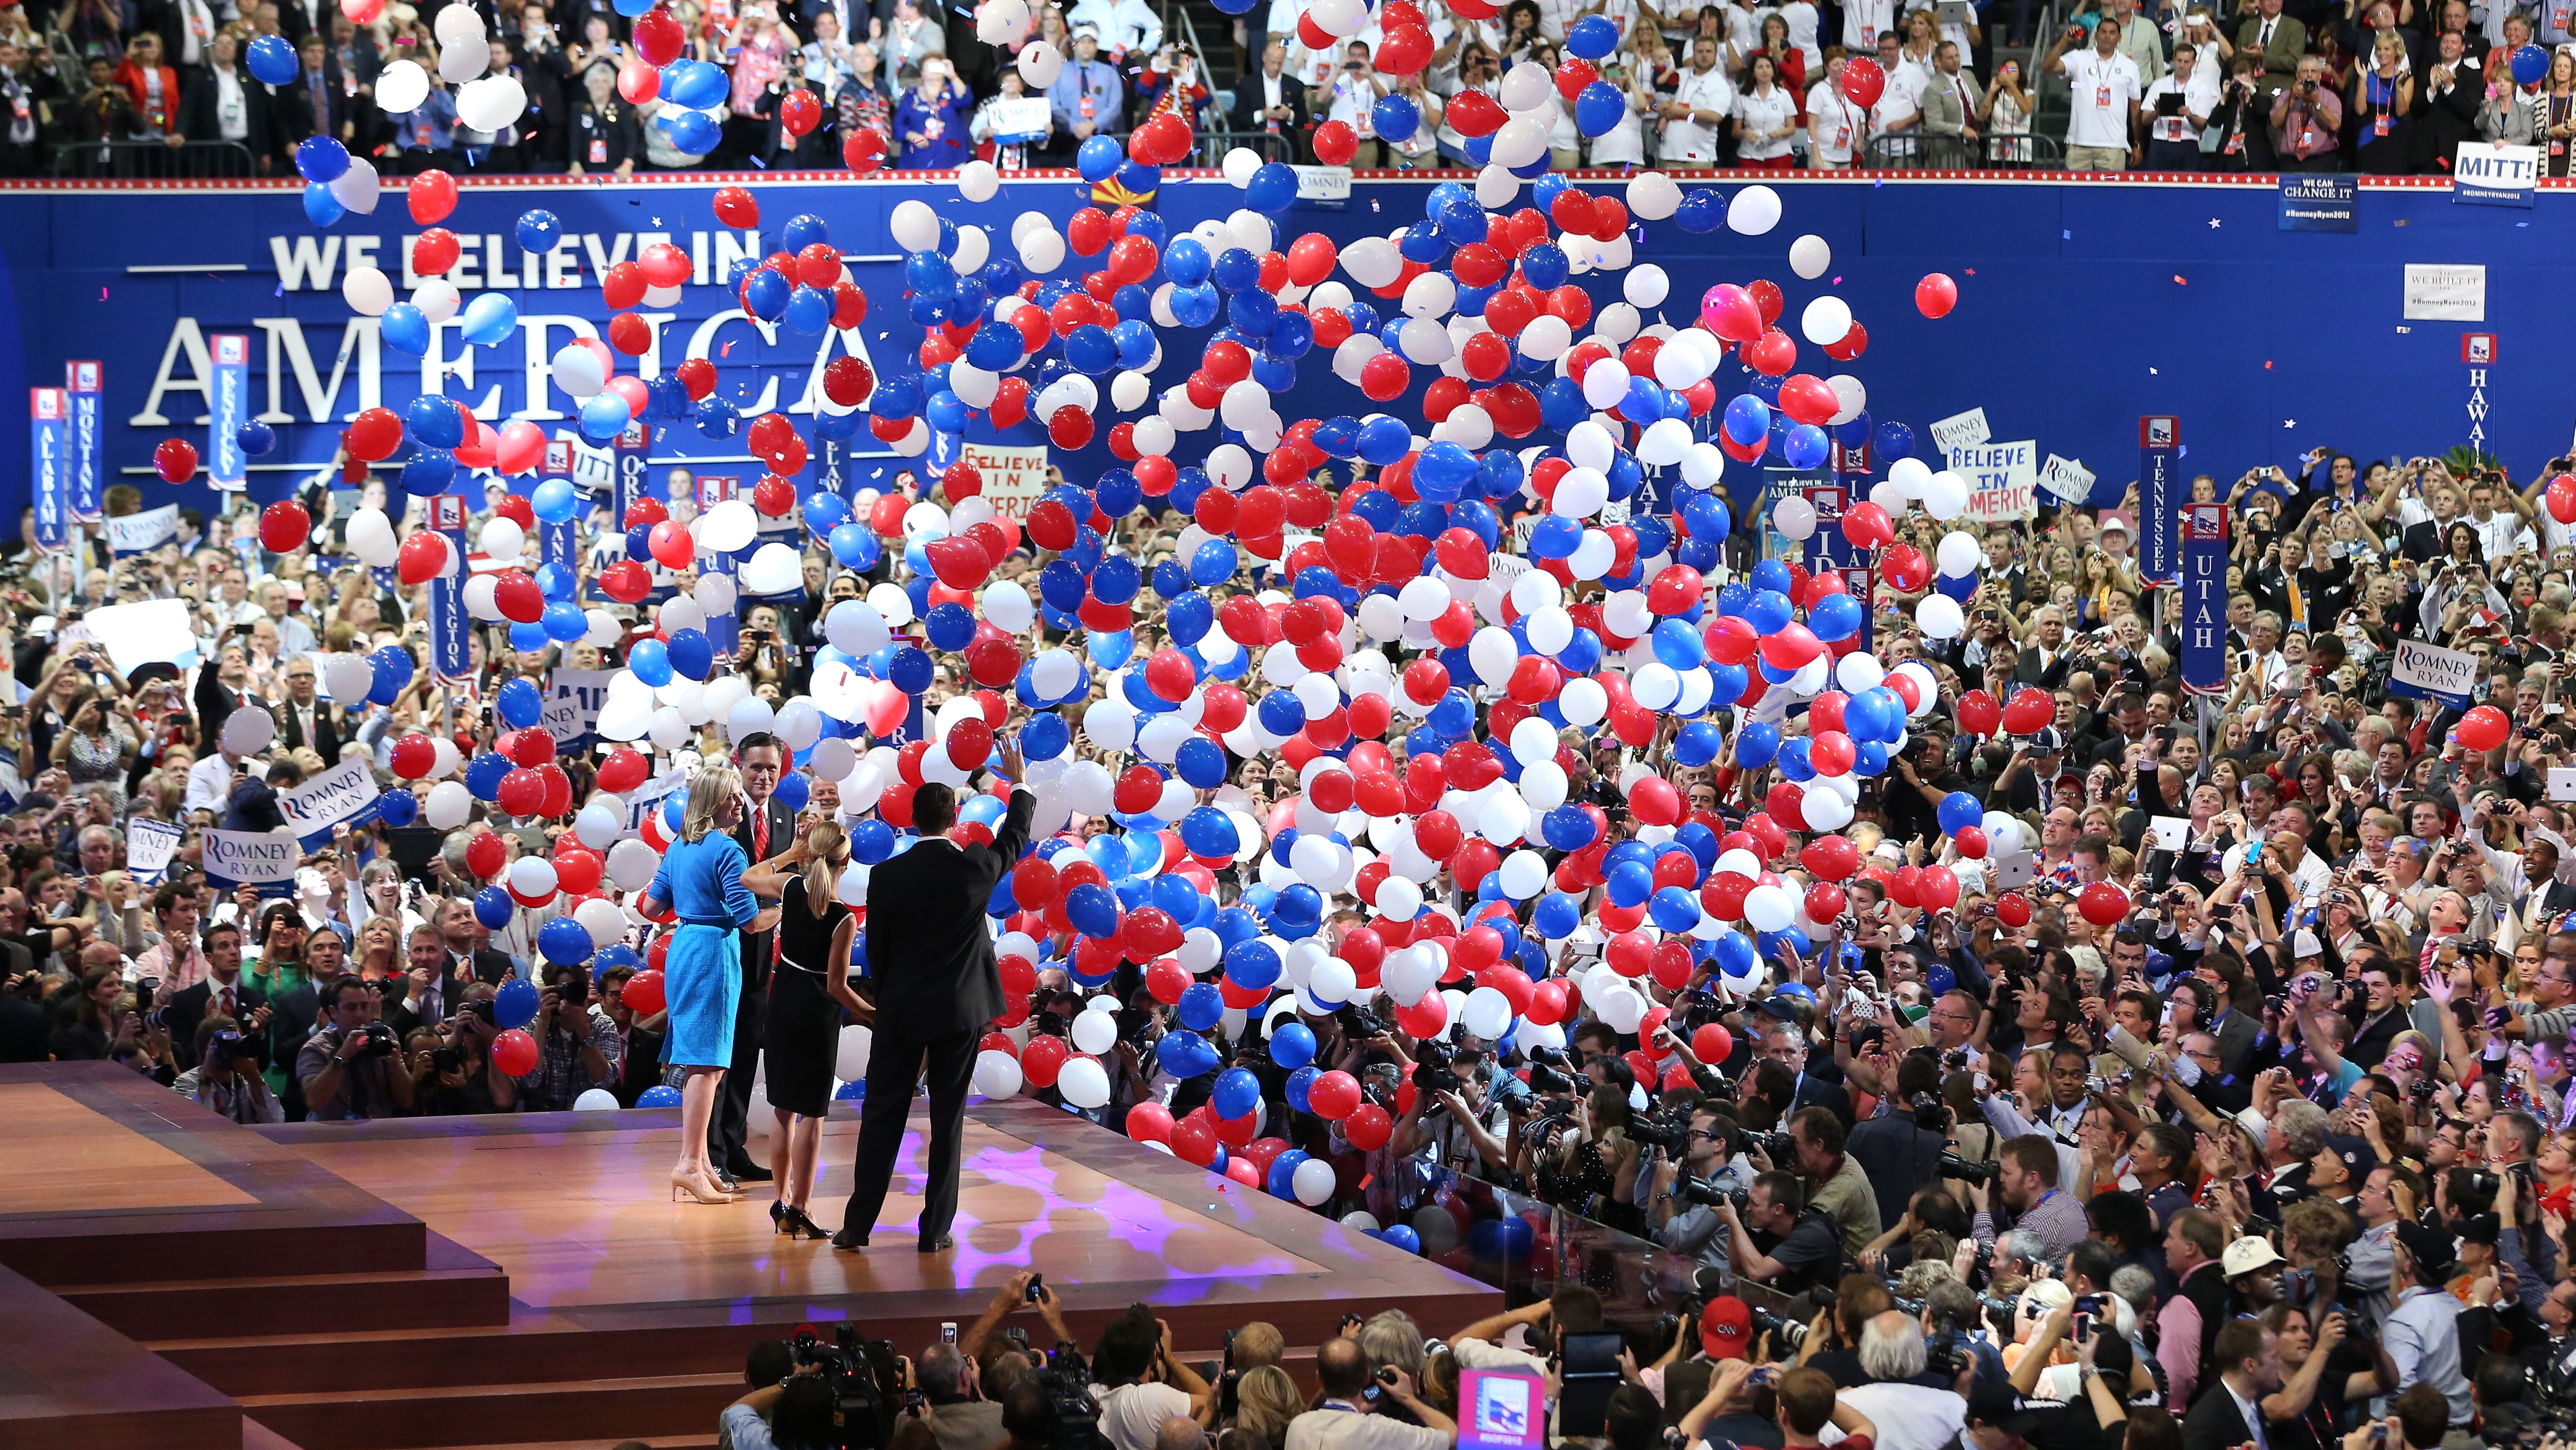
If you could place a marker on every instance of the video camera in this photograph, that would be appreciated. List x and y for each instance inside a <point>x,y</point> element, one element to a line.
<point>1067,1381</point>
<point>865,1381</point>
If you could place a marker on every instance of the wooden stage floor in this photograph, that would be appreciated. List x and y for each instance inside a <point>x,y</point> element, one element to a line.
<point>171,1280</point>
<point>580,1216</point>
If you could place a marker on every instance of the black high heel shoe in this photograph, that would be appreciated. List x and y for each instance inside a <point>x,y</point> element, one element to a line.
<point>778,1219</point>
<point>801,1226</point>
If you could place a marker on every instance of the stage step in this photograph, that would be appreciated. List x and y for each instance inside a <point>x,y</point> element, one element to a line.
<point>421,1417</point>
<point>256,1436</point>
<point>459,1289</point>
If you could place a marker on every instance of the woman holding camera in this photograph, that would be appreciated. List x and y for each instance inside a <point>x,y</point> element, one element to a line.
<point>97,749</point>
<point>701,881</point>
<point>801,1028</point>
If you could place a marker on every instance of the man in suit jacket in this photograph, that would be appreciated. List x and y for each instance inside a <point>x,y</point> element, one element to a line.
<point>931,965</point>
<point>2278,40</point>
<point>1272,101</point>
<point>767,830</point>
<point>307,718</point>
<point>222,993</point>
<point>2046,662</point>
<point>2229,1412</point>
<point>433,985</point>
<point>470,957</point>
<point>1950,111</point>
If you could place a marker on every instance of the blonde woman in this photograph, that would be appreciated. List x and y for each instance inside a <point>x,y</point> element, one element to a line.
<point>701,882</point>
<point>801,1026</point>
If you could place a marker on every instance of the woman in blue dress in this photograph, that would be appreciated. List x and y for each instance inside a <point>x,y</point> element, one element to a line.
<point>701,881</point>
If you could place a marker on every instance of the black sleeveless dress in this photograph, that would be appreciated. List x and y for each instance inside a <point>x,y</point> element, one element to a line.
<point>801,1030</point>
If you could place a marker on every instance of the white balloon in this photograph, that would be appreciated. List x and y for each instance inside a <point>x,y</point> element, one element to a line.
<point>1769,908</point>
<point>979,180</point>
<point>1646,286</point>
<point>1312,1181</point>
<point>1938,616</point>
<point>1959,554</point>
<point>631,864</point>
<point>997,1074</point>
<point>248,731</point>
<point>1809,256</point>
<point>448,805</point>
<point>403,85</point>
<point>1945,495</point>
<point>729,527</point>
<point>1827,320</point>
<point>1001,22</point>
<point>1083,1083</point>
<point>593,1100</point>
<point>458,64</point>
<point>578,372</point>
<point>774,569</point>
<point>366,289</point>
<point>1795,518</point>
<point>348,676</point>
<point>502,539</point>
<point>1652,196</point>
<point>437,299</point>
<point>914,226</point>
<point>491,103</point>
<point>358,187</point>
<point>533,876</point>
<point>1755,210</point>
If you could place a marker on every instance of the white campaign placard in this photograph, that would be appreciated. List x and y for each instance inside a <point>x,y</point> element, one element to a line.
<point>2434,670</point>
<point>262,860</point>
<point>2446,292</point>
<point>572,710</point>
<point>153,632</point>
<point>1014,476</point>
<point>2003,479</point>
<point>342,795</point>
<point>2067,478</point>
<point>149,845</point>
<point>1961,430</point>
<point>137,533</point>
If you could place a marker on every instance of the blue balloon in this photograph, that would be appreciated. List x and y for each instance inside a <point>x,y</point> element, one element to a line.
<point>1592,37</point>
<point>540,230</point>
<point>1599,106</point>
<point>1806,446</point>
<point>1756,744</point>
<point>1401,1235</point>
<point>1252,965</point>
<point>1395,117</point>
<point>1272,189</point>
<point>1960,810</point>
<point>1747,420</point>
<point>604,415</point>
<point>322,159</point>
<point>1834,618</point>
<point>2530,65</point>
<point>1292,1046</point>
<point>1202,1006</point>
<point>554,501</point>
<point>491,319</point>
<point>271,60</point>
<point>564,940</point>
<point>321,206</point>
<point>398,808</point>
<point>650,659</point>
<point>1237,1090</point>
<point>255,438</point>
<point>1098,158</point>
<point>1093,910</point>
<point>394,668</point>
<point>1894,441</point>
<point>694,132</point>
<point>519,703</point>
<point>493,907</point>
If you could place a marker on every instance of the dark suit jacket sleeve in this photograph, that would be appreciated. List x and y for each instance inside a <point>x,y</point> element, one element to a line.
<point>2214,1422</point>
<point>1010,842</point>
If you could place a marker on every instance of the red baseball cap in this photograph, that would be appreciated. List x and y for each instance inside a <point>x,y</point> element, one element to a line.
<point>1726,1328</point>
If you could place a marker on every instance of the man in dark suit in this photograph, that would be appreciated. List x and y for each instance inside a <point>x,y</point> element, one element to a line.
<point>2276,41</point>
<point>2046,663</point>
<point>470,958</point>
<point>223,993</point>
<point>307,719</point>
<point>931,964</point>
<point>2229,1413</point>
<point>433,983</point>
<point>1271,101</point>
<point>767,830</point>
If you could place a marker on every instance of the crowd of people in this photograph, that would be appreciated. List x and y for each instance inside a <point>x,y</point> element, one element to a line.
<point>2291,1120</point>
<point>2261,85</point>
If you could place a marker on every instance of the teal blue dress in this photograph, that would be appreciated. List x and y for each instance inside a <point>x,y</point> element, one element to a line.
<point>701,881</point>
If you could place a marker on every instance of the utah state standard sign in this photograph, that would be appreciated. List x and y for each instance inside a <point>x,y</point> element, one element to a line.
<point>2204,598</point>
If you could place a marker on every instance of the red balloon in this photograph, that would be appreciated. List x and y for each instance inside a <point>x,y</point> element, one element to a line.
<point>1712,1044</point>
<point>175,459</point>
<point>1936,889</point>
<point>1905,566</point>
<point>1336,143</point>
<point>423,557</point>
<point>1334,1096</point>
<point>1971,842</point>
<point>1042,1059</point>
<point>522,792</point>
<point>1194,1141</point>
<point>1936,294</point>
<point>624,769</point>
<point>1867,526</point>
<point>2032,707</point>
<point>415,757</point>
<point>514,1052</point>
<point>1863,81</point>
<point>1979,714</point>
<point>284,526</point>
<point>736,207</point>
<point>2483,728</point>
<point>2013,909</point>
<point>2102,903</point>
<point>1385,376</point>
<point>1150,1123</point>
<point>1833,858</point>
<point>1368,1127</point>
<point>643,994</point>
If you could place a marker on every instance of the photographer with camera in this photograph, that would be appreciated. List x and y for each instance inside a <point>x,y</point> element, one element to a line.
<point>1777,1238</point>
<point>227,1077</point>
<point>1139,1383</point>
<point>1682,1194</point>
<point>347,1065</point>
<point>797,1413</point>
<point>2027,1189</point>
<point>576,1043</point>
<point>1345,1419</point>
<point>1902,1148</point>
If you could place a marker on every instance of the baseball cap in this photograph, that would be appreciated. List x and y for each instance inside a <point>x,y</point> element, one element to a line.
<point>1726,1328</point>
<point>2430,1248</point>
<point>2246,1255</point>
<point>2047,741</point>
<point>2481,1228</point>
<point>2353,1151</point>
<point>2303,943</point>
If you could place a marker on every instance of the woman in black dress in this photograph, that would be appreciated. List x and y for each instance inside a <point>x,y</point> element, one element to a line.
<point>801,1029</point>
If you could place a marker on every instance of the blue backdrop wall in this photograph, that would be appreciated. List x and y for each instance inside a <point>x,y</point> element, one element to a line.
<point>2082,307</point>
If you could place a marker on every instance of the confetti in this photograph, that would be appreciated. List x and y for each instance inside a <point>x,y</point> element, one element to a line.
<point>102,294</point>
<point>2151,372</point>
<point>2213,224</point>
<point>2289,422</point>
<point>727,351</point>
<point>2267,364</point>
<point>2181,281</point>
<point>2066,236</point>
<point>1971,272</point>
<point>280,292</point>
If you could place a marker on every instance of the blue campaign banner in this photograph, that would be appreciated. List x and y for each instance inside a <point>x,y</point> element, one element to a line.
<point>84,383</point>
<point>2204,598</point>
<point>559,543</point>
<point>632,453</point>
<point>228,408</point>
<point>140,277</point>
<point>48,468</point>
<point>449,658</point>
<point>2312,202</point>
<point>2161,489</point>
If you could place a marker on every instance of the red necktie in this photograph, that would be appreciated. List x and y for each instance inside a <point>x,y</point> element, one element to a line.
<point>760,832</point>
<point>228,1003</point>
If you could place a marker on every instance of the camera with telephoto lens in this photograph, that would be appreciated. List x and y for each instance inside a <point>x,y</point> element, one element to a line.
<point>1706,1193</point>
<point>865,1381</point>
<point>376,1039</point>
<point>1931,1114</point>
<point>1781,1148</point>
<point>1551,1071</point>
<point>1360,1022</point>
<point>1954,1166</point>
<point>446,1059</point>
<point>1067,1382</point>
<point>1670,1132</point>
<point>1786,1333</point>
<point>1435,1067</point>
